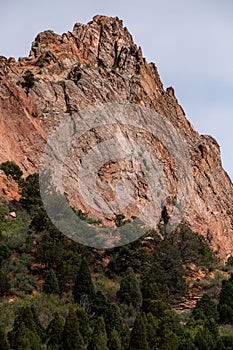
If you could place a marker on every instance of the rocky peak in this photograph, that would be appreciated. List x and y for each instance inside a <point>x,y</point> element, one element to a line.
<point>94,64</point>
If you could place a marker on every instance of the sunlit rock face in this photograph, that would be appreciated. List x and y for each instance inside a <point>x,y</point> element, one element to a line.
<point>98,64</point>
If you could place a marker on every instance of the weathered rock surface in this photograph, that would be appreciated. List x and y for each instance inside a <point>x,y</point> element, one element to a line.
<point>97,63</point>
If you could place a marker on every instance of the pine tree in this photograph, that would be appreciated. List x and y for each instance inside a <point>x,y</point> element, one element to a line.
<point>54,332</point>
<point>203,340</point>
<point>151,328</point>
<point>51,282</point>
<point>39,328</point>
<point>170,341</point>
<point>129,292</point>
<point>4,283</point>
<point>83,287</point>
<point>125,337</point>
<point>225,305</point>
<point>99,337</point>
<point>138,338</point>
<point>114,342</point>
<point>207,307</point>
<point>71,334</point>
<point>84,327</point>
<point>4,345</point>
<point>113,319</point>
<point>25,339</point>
<point>23,321</point>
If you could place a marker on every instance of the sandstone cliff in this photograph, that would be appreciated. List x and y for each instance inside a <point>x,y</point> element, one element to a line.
<point>99,63</point>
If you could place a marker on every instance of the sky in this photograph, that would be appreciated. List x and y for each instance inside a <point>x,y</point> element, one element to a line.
<point>191,42</point>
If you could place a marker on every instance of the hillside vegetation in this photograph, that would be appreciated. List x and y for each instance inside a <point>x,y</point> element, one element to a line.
<point>57,294</point>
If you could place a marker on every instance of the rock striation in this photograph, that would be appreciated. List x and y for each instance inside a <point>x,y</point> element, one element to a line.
<point>94,64</point>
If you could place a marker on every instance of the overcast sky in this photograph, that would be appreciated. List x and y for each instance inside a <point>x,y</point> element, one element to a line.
<point>191,42</point>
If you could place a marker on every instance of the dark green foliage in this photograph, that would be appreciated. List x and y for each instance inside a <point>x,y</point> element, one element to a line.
<point>51,282</point>
<point>187,344</point>
<point>138,338</point>
<point>225,306</point>
<point>24,321</point>
<point>207,307</point>
<point>193,247</point>
<point>4,345</point>
<point>24,333</point>
<point>5,252</point>
<point>125,338</point>
<point>152,329</point>
<point>83,287</point>
<point>170,320</point>
<point>154,286</point>
<point>3,211</point>
<point>114,342</point>
<point>226,342</point>
<point>99,336</point>
<point>11,168</point>
<point>203,340</point>
<point>39,328</point>
<point>54,332</point>
<point>84,327</point>
<point>113,319</point>
<point>120,220</point>
<point>50,254</point>
<point>30,191</point>
<point>168,258</point>
<point>28,81</point>
<point>71,334</point>
<point>157,308</point>
<point>4,283</point>
<point>170,341</point>
<point>100,304</point>
<point>129,292</point>
<point>125,257</point>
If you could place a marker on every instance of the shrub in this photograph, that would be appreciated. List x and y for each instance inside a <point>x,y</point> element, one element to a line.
<point>11,168</point>
<point>29,81</point>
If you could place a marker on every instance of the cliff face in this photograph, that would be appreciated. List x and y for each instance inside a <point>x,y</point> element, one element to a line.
<point>99,63</point>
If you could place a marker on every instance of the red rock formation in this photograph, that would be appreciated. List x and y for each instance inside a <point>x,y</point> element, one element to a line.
<point>97,63</point>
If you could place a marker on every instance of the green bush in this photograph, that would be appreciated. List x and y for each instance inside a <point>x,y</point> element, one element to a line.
<point>28,81</point>
<point>11,168</point>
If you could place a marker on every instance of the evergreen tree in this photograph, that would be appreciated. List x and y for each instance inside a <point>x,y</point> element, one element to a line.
<point>39,328</point>
<point>99,337</point>
<point>167,256</point>
<point>125,337</point>
<point>152,328</point>
<point>25,338</point>
<point>72,339</point>
<point>84,327</point>
<point>138,338</point>
<point>114,342</point>
<point>203,339</point>
<point>4,345</point>
<point>4,283</point>
<point>225,305</point>
<point>51,282</point>
<point>207,307</point>
<point>23,321</point>
<point>100,304</point>
<point>170,341</point>
<point>54,332</point>
<point>113,319</point>
<point>83,287</point>
<point>130,292</point>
